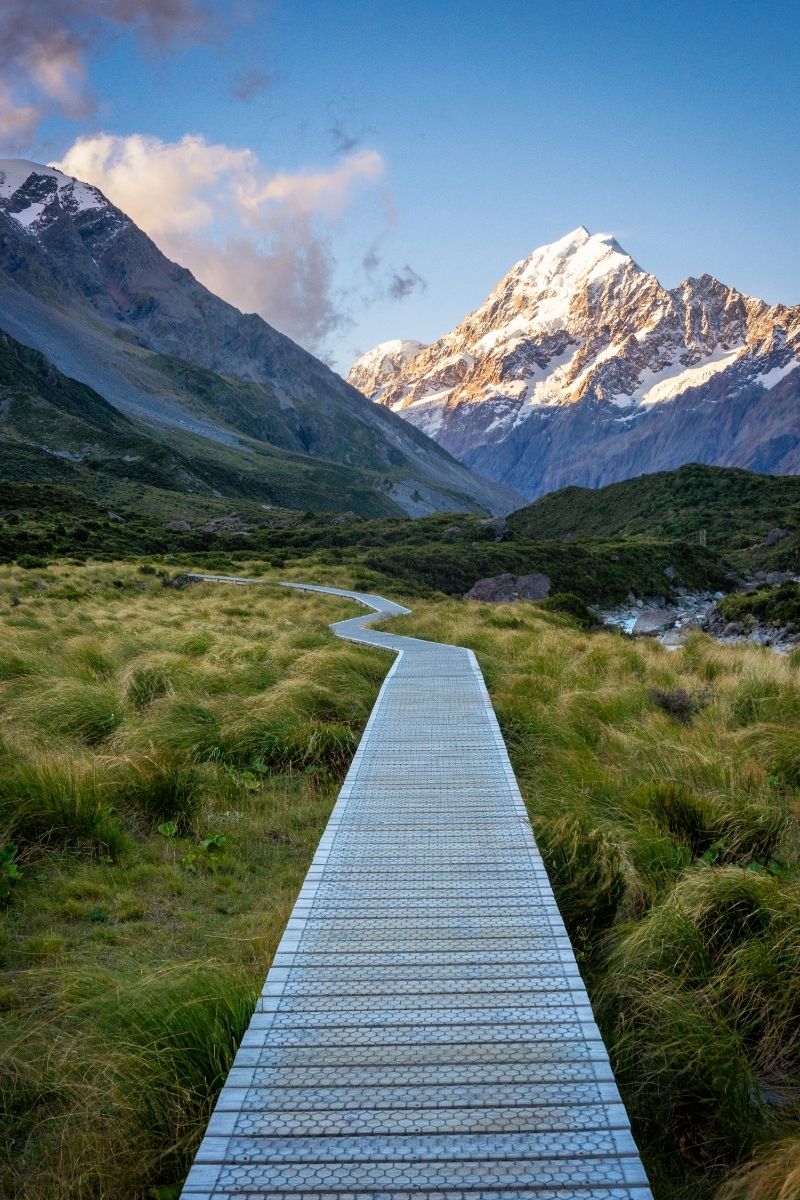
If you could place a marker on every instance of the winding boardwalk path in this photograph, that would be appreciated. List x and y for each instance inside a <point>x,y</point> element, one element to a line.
<point>423,1030</point>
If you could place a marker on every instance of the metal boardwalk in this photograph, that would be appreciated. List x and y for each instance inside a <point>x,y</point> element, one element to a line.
<point>423,1030</point>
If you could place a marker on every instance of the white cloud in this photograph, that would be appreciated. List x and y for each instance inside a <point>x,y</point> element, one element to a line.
<point>260,239</point>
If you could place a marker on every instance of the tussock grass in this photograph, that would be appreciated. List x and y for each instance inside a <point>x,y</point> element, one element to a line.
<point>773,1174</point>
<point>664,791</point>
<point>138,722</point>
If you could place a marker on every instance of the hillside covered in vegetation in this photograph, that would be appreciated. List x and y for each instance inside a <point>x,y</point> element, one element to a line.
<point>734,508</point>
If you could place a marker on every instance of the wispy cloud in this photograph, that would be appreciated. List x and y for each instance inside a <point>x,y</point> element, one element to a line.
<point>343,141</point>
<point>261,239</point>
<point>249,82</point>
<point>405,282</point>
<point>43,49</point>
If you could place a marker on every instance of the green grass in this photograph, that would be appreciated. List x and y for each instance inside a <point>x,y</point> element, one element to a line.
<point>664,790</point>
<point>160,853</point>
<point>168,760</point>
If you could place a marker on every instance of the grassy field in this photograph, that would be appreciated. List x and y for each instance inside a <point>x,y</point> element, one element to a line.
<point>663,789</point>
<point>168,762</point>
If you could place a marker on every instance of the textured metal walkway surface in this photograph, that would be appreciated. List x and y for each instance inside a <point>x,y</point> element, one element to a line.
<point>423,1030</point>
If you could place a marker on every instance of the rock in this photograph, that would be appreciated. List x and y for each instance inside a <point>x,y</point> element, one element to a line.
<point>497,526</point>
<point>344,518</point>
<point>228,524</point>
<point>501,589</point>
<point>178,527</point>
<point>181,581</point>
<point>775,535</point>
<point>774,578</point>
<point>673,637</point>
<point>533,587</point>
<point>654,621</point>
<point>113,516</point>
<point>670,573</point>
<point>733,629</point>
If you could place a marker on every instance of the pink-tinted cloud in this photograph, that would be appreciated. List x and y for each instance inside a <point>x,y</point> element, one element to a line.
<point>260,239</point>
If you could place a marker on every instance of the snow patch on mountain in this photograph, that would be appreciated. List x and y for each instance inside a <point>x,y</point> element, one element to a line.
<point>657,386</point>
<point>28,190</point>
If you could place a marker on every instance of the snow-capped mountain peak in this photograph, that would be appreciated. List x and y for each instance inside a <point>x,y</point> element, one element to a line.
<point>577,258</point>
<point>373,371</point>
<point>34,194</point>
<point>578,326</point>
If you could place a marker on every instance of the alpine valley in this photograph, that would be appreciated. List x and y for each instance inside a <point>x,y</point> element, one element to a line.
<point>581,369</point>
<point>140,366</point>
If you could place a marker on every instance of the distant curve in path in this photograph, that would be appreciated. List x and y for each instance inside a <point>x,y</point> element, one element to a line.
<point>423,1030</point>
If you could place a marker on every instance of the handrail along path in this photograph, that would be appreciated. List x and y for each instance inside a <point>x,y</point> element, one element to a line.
<point>423,1030</point>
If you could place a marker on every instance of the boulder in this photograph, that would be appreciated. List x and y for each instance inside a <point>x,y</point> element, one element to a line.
<point>178,526</point>
<point>228,524</point>
<point>654,621</point>
<point>501,589</point>
<point>776,535</point>
<point>674,637</point>
<point>774,578</point>
<point>496,526</point>
<point>733,629</point>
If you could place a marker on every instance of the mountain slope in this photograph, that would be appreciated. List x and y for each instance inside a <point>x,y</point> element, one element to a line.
<point>581,368</point>
<point>54,429</point>
<point>82,284</point>
<point>736,508</point>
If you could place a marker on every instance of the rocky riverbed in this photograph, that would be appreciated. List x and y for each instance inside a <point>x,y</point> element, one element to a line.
<point>671,621</point>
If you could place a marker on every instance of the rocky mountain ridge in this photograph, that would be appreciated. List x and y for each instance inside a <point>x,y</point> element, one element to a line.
<point>580,368</point>
<point>81,283</point>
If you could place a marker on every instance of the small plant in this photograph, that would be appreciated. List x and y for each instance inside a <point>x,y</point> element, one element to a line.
<point>214,842</point>
<point>677,702</point>
<point>9,870</point>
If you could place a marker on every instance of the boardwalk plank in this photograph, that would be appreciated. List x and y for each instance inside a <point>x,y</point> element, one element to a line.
<point>424,1030</point>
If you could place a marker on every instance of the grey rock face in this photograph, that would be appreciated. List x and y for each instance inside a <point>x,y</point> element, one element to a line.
<point>654,621</point>
<point>501,589</point>
<point>776,535</point>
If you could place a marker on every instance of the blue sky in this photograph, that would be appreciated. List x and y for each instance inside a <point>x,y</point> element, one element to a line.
<point>483,132</point>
